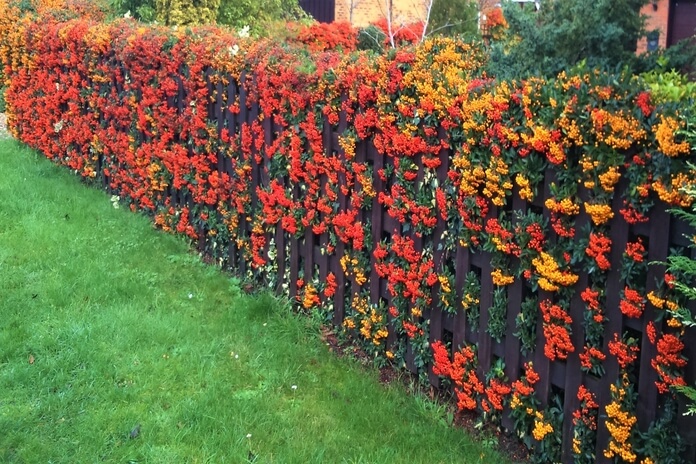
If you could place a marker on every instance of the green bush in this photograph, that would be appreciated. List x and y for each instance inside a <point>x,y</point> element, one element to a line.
<point>685,268</point>
<point>669,86</point>
<point>371,38</point>
<point>679,57</point>
<point>454,17</point>
<point>260,16</point>
<point>143,10</point>
<point>603,33</point>
<point>186,12</point>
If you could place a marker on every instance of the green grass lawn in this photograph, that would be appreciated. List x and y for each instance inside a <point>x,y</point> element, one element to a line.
<point>107,324</point>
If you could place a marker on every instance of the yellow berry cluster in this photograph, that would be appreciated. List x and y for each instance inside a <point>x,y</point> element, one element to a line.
<point>310,297</point>
<point>609,179</point>
<point>673,194</point>
<point>445,290</point>
<point>523,183</point>
<point>496,181</point>
<point>664,134</point>
<point>348,145</point>
<point>618,130</point>
<point>350,268</point>
<point>368,324</point>
<point>371,322</point>
<point>572,130</point>
<point>541,428</point>
<point>469,301</point>
<point>620,425</point>
<point>599,213</point>
<point>551,277</point>
<point>501,279</point>
<point>565,206</point>
<point>661,303</point>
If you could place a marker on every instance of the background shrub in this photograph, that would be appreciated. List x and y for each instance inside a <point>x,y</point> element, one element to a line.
<point>186,12</point>
<point>263,17</point>
<point>371,38</point>
<point>561,34</point>
<point>454,17</point>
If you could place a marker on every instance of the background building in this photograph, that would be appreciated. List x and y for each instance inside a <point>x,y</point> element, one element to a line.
<point>363,12</point>
<point>673,19</point>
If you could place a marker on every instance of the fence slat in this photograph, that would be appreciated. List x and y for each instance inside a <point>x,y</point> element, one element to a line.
<point>440,259</point>
<point>657,251</point>
<point>462,268</point>
<point>619,237</point>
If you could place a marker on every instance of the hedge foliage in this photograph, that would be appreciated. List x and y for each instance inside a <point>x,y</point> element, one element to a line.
<point>103,99</point>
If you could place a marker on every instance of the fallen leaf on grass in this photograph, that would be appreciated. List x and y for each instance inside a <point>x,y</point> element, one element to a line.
<point>31,359</point>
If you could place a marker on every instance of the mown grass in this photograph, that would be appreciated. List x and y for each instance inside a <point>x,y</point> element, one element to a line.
<point>107,324</point>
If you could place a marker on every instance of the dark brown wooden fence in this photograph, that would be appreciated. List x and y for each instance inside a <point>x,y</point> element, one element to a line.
<point>228,105</point>
<point>296,255</point>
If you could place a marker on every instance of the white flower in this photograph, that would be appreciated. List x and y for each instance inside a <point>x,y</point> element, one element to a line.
<point>127,15</point>
<point>244,32</point>
<point>294,387</point>
<point>248,435</point>
<point>190,295</point>
<point>234,49</point>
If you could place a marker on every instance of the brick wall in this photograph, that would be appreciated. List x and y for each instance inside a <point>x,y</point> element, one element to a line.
<point>369,11</point>
<point>657,19</point>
